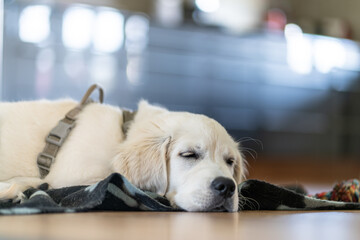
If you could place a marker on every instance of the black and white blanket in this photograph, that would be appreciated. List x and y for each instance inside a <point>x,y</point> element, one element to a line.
<point>115,193</point>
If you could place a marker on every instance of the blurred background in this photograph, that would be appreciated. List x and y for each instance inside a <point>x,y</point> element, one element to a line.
<point>285,73</point>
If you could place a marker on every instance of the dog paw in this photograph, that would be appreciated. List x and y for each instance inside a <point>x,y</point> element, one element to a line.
<point>4,187</point>
<point>20,198</point>
<point>11,191</point>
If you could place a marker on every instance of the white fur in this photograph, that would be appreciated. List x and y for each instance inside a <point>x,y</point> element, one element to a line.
<point>148,157</point>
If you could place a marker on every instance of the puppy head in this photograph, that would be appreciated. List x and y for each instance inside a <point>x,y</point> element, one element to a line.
<point>205,165</point>
<point>187,157</point>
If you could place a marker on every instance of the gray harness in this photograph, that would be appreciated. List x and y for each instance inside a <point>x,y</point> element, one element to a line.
<point>59,133</point>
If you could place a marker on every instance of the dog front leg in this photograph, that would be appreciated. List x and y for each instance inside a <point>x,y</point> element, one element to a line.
<point>13,188</point>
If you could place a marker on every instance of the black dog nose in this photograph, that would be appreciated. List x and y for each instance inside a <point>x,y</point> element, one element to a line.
<point>224,187</point>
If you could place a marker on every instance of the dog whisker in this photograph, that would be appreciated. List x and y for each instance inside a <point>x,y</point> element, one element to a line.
<point>248,139</point>
<point>252,203</point>
<point>251,152</point>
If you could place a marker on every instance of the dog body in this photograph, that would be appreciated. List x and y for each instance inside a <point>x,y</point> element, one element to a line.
<point>176,154</point>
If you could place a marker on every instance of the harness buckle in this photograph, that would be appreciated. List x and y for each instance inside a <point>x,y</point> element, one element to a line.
<point>44,161</point>
<point>58,134</point>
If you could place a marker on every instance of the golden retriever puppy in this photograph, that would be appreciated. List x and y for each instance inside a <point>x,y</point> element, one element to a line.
<point>187,157</point>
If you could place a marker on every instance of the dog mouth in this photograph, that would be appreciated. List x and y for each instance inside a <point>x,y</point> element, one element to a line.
<point>222,205</point>
<point>219,209</point>
<point>219,206</point>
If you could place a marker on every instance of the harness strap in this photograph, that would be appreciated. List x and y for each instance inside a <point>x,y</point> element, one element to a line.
<point>128,117</point>
<point>59,133</point>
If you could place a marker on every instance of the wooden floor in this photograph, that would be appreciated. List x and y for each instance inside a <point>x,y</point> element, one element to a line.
<point>267,225</point>
<point>243,225</point>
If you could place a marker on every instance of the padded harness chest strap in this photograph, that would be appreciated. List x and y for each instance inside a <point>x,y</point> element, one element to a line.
<point>58,134</point>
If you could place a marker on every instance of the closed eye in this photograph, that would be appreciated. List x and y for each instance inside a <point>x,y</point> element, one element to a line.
<point>230,161</point>
<point>189,154</point>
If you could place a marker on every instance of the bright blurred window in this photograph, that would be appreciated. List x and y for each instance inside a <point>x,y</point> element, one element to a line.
<point>299,49</point>
<point>109,31</point>
<point>306,51</point>
<point>78,27</point>
<point>136,31</point>
<point>208,6</point>
<point>328,54</point>
<point>34,24</point>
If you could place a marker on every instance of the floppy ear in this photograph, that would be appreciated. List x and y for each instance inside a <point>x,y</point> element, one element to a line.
<point>240,169</point>
<point>144,163</point>
<point>162,188</point>
<point>142,158</point>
